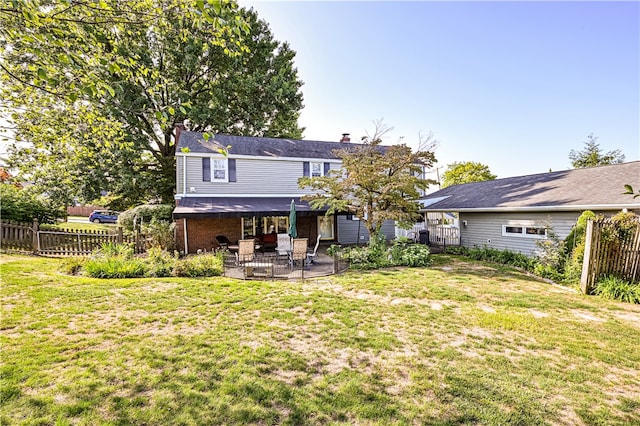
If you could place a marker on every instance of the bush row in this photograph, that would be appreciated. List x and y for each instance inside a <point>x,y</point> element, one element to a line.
<point>402,252</point>
<point>118,261</point>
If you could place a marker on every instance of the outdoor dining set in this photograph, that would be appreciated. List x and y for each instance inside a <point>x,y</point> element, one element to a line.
<point>289,254</point>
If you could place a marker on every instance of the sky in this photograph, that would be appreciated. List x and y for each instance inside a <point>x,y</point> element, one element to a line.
<point>513,85</point>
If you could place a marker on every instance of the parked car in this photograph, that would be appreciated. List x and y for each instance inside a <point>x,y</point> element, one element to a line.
<point>103,216</point>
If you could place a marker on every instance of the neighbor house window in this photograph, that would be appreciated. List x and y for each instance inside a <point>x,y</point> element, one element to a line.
<point>525,231</point>
<point>214,170</point>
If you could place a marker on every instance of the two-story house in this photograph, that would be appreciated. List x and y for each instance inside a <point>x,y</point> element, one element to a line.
<point>248,191</point>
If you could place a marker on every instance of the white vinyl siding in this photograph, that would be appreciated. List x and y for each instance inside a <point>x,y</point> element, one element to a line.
<point>253,176</point>
<point>487,229</point>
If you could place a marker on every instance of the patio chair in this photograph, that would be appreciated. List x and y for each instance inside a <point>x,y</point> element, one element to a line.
<point>299,250</point>
<point>284,244</point>
<point>246,250</point>
<point>223,241</point>
<point>312,254</point>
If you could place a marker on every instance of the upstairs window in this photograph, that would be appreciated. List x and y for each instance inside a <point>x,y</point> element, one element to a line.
<point>315,168</point>
<point>218,170</point>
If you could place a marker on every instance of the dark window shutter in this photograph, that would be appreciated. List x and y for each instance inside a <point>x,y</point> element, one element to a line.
<point>206,169</point>
<point>305,169</point>
<point>232,170</point>
<point>327,167</point>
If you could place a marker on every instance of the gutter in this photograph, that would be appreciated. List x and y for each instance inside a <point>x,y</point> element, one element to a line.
<point>535,208</point>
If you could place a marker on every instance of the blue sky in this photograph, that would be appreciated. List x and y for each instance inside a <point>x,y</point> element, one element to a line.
<point>514,85</point>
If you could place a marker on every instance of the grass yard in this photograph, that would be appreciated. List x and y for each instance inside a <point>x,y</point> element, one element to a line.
<point>87,226</point>
<point>456,343</point>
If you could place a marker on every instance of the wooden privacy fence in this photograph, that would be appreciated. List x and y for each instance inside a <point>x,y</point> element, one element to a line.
<point>30,238</point>
<point>610,251</point>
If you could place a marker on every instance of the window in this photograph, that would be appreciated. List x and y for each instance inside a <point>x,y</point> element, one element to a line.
<point>214,170</point>
<point>326,226</point>
<point>316,169</point>
<point>524,231</point>
<point>253,226</point>
<point>513,230</point>
<point>219,170</point>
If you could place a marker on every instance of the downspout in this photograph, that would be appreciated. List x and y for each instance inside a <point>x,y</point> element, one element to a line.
<point>186,240</point>
<point>184,176</point>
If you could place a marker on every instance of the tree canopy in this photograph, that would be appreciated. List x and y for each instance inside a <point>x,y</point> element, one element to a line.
<point>466,172</point>
<point>591,155</point>
<point>138,67</point>
<point>376,183</point>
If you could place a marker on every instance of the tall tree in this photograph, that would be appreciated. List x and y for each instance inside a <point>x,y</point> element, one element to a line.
<point>376,183</point>
<point>466,172</point>
<point>591,155</point>
<point>163,69</point>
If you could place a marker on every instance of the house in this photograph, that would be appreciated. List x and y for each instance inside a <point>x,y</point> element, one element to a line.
<point>513,213</point>
<point>247,190</point>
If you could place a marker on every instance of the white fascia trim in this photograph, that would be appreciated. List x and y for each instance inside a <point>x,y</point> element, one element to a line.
<point>261,157</point>
<point>426,202</point>
<point>200,195</point>
<point>538,208</point>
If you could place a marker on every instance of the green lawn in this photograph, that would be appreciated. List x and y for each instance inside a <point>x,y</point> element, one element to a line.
<point>457,343</point>
<point>87,226</point>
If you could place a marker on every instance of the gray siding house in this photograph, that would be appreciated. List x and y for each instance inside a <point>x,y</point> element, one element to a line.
<point>247,191</point>
<point>513,213</point>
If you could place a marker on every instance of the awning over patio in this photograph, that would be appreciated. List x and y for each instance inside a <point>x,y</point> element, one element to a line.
<point>218,207</point>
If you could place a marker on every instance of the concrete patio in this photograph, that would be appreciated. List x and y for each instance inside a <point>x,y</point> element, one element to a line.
<point>270,265</point>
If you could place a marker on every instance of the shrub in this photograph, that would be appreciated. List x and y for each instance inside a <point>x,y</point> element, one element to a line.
<point>457,250</point>
<point>22,205</point>
<point>146,214</point>
<point>505,257</point>
<point>574,246</point>
<point>114,261</point>
<point>160,234</point>
<point>160,263</point>
<point>73,265</point>
<point>378,254</point>
<point>411,255</point>
<point>618,289</point>
<point>201,265</point>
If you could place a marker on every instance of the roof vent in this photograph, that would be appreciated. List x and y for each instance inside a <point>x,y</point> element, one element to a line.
<point>345,138</point>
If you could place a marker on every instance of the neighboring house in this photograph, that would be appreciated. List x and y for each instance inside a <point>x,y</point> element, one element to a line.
<point>248,192</point>
<point>512,213</point>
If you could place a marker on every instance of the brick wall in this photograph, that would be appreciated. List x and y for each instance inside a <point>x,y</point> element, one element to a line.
<point>202,232</point>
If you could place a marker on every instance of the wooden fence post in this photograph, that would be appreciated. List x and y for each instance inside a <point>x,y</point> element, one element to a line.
<point>34,236</point>
<point>119,238</point>
<point>586,277</point>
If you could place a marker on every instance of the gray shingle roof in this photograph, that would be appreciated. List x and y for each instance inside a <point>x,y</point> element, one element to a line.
<point>589,188</point>
<point>267,147</point>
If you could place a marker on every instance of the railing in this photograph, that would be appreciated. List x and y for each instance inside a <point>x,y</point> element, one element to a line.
<point>270,265</point>
<point>444,235</point>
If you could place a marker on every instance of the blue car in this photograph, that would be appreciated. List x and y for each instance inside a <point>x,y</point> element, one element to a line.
<point>103,216</point>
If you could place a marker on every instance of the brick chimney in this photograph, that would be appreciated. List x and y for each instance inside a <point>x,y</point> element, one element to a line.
<point>179,126</point>
<point>345,138</point>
